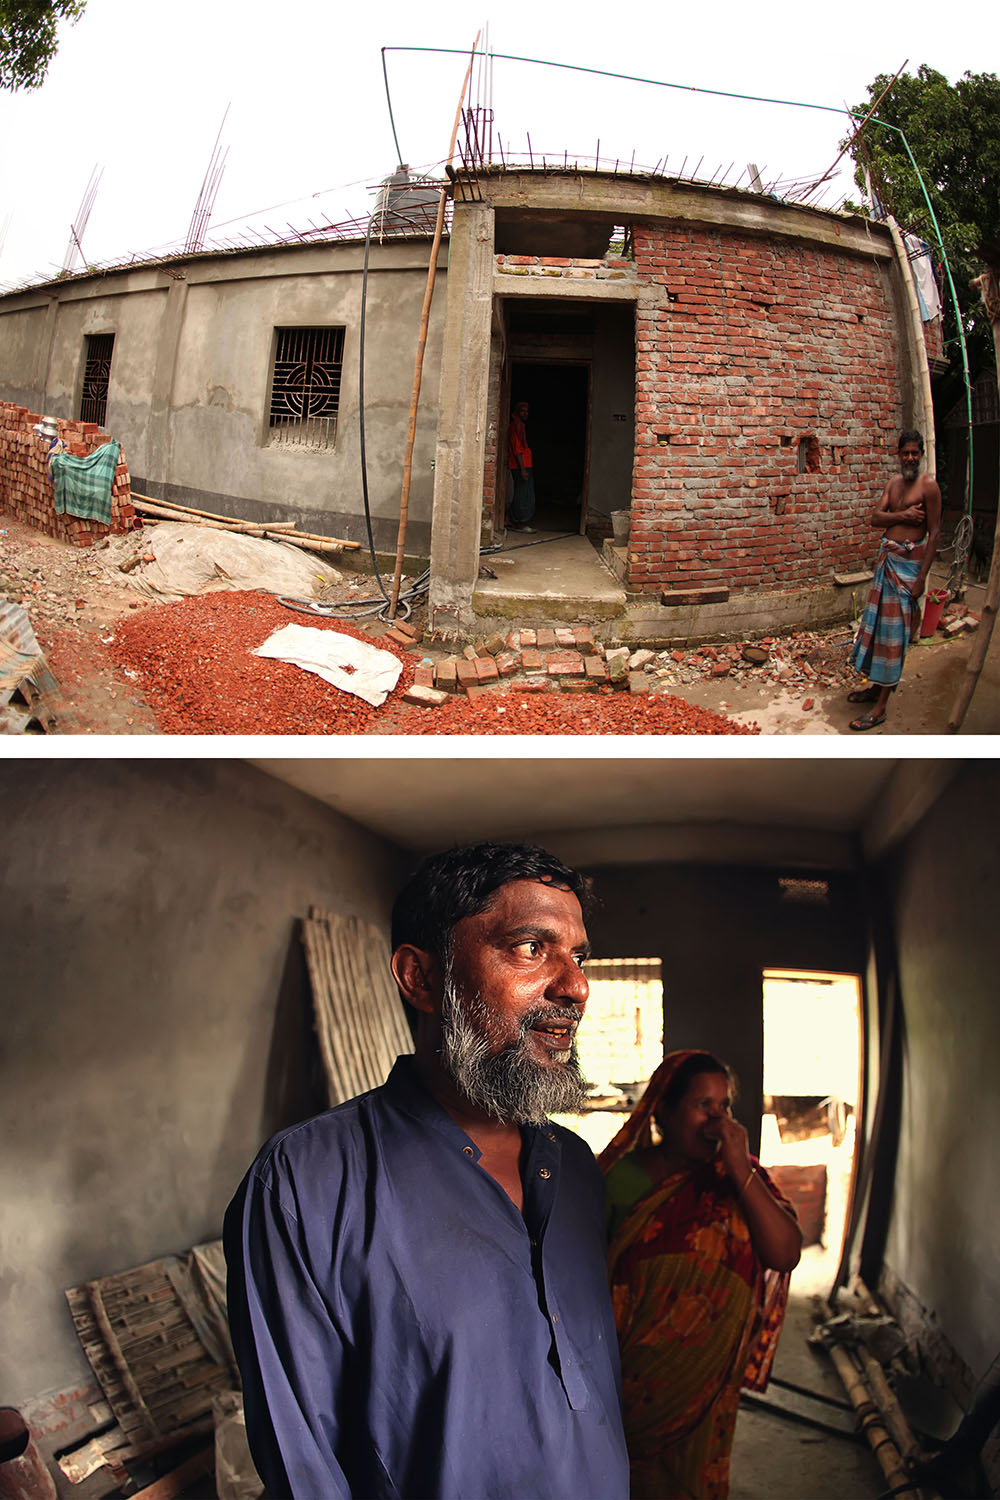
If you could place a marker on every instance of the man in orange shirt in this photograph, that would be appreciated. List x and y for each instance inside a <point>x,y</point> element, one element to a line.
<point>522,501</point>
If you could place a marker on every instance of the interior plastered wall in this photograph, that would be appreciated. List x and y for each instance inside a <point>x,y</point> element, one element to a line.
<point>715,930</point>
<point>945,1224</point>
<point>158,1026</point>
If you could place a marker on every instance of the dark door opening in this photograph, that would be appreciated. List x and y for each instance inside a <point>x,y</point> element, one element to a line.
<point>558,396</point>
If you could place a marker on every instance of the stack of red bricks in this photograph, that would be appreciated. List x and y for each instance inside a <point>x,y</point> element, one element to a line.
<point>768,403</point>
<point>26,489</point>
<point>549,659</point>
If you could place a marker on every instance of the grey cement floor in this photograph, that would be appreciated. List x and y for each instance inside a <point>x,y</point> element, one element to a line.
<point>775,1458</point>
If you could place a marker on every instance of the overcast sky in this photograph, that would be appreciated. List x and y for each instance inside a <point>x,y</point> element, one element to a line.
<point>141,90</point>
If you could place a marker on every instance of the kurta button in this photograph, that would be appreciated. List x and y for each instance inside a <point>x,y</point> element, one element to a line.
<point>468,1151</point>
<point>551,1134</point>
<point>555,1317</point>
<point>544,1172</point>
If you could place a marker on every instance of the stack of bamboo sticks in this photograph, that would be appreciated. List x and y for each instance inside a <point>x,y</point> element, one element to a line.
<point>879,1414</point>
<point>275,531</point>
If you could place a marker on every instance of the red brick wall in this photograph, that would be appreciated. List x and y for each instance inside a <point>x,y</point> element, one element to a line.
<point>26,490</point>
<point>758,345</point>
<point>805,1188</point>
<point>934,338</point>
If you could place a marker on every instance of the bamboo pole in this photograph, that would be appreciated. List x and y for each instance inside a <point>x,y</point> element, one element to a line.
<point>918,349</point>
<point>411,434</point>
<point>868,1414</point>
<point>277,530</point>
<point>988,286</point>
<point>187,510</point>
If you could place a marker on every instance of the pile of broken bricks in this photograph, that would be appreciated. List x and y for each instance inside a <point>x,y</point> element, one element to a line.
<point>569,659</point>
<point>956,619</point>
<point>558,659</point>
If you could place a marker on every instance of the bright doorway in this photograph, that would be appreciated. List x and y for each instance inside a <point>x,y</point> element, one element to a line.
<point>812,1050</point>
<point>620,1043</point>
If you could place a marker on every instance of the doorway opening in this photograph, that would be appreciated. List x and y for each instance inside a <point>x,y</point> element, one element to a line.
<point>558,397</point>
<point>620,1043</point>
<point>812,1060</point>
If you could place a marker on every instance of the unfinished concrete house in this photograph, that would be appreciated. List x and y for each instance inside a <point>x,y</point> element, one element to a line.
<point>716,379</point>
<point>164,1017</point>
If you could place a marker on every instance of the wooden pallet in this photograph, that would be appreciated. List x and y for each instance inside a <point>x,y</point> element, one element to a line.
<point>157,1374</point>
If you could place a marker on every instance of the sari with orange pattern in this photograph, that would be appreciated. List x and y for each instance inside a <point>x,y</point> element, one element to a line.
<point>698,1317</point>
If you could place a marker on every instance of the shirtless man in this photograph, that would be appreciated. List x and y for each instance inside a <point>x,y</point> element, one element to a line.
<point>909,515</point>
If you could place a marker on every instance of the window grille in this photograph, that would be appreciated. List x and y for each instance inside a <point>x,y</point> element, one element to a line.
<point>96,376</point>
<point>305,387</point>
<point>804,892</point>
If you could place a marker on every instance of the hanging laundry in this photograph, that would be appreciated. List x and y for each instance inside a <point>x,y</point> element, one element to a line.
<point>919,255</point>
<point>83,485</point>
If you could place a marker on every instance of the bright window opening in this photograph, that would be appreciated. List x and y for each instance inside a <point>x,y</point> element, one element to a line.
<point>620,1043</point>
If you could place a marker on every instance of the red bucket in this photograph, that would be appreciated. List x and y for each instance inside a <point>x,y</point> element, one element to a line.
<point>933,606</point>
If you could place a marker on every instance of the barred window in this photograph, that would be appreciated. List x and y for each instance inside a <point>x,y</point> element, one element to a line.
<point>305,386</point>
<point>96,376</point>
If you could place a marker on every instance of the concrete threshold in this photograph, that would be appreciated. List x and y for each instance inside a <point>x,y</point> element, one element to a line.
<point>554,577</point>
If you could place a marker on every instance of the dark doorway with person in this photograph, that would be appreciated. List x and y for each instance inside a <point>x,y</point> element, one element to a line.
<point>558,402</point>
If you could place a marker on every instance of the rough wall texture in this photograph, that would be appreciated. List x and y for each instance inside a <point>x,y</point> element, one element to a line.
<point>26,490</point>
<point>766,403</point>
<point>159,1026</point>
<point>715,931</point>
<point>944,1229</point>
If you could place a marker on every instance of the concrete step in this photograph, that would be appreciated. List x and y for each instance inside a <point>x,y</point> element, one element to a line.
<point>548,577</point>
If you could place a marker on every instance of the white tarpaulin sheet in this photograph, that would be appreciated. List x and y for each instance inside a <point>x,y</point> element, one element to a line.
<point>351,665</point>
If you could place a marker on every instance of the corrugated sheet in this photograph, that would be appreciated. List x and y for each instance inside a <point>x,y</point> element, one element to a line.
<point>360,1019</point>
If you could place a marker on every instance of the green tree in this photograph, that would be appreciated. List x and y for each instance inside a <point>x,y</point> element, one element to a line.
<point>28,38</point>
<point>953,131</point>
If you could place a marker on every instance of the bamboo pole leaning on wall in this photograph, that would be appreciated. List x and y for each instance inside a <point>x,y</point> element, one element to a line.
<point>275,531</point>
<point>411,433</point>
<point>988,286</point>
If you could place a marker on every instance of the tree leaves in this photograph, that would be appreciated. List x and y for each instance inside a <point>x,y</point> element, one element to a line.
<point>953,131</point>
<point>28,38</point>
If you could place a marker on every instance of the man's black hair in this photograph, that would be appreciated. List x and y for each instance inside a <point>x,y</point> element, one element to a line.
<point>911,435</point>
<point>460,882</point>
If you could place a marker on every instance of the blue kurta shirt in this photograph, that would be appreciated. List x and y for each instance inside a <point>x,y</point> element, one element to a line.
<point>402,1331</point>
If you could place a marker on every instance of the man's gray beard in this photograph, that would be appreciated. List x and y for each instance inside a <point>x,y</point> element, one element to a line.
<point>508,1085</point>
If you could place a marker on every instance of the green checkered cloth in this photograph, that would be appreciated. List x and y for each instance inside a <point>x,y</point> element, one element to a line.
<point>83,485</point>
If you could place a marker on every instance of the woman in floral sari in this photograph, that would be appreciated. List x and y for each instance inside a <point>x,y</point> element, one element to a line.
<point>701,1247</point>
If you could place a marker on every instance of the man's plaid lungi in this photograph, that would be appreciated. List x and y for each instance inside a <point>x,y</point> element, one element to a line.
<point>884,635</point>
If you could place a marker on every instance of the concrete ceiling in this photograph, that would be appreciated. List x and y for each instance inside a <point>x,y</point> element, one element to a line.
<point>613,810</point>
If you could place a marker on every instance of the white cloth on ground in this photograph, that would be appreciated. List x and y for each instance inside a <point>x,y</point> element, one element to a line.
<point>351,665</point>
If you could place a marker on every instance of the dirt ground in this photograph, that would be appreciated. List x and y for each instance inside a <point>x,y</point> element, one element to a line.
<point>75,597</point>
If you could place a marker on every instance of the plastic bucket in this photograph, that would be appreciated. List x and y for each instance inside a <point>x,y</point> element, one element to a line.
<point>933,607</point>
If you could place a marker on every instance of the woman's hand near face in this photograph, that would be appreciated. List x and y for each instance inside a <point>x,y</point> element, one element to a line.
<point>734,1148</point>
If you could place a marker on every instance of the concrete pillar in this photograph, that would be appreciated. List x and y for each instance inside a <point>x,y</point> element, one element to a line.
<point>461,443</point>
<point>158,444</point>
<point>43,359</point>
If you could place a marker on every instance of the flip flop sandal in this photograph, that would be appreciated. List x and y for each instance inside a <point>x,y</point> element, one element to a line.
<point>867,721</point>
<point>864,695</point>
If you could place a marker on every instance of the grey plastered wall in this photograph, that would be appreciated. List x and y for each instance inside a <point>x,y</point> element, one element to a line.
<point>190,377</point>
<point>157,1023</point>
<point>945,1224</point>
<point>715,931</point>
<point>612,440</point>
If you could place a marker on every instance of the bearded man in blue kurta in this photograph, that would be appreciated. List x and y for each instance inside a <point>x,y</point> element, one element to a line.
<point>418,1294</point>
